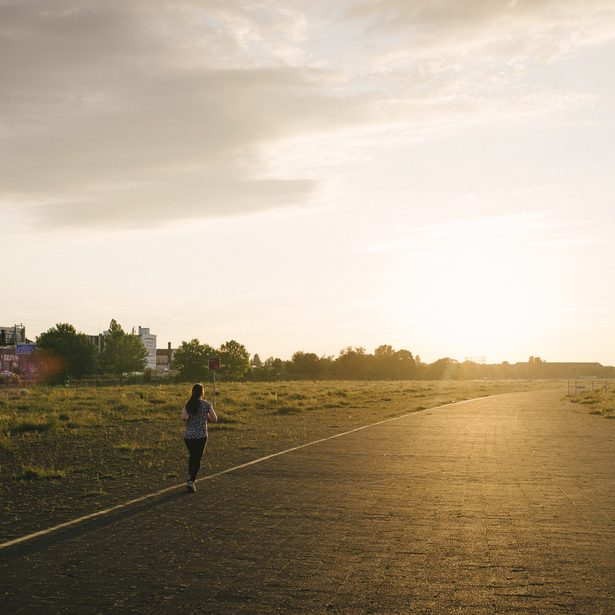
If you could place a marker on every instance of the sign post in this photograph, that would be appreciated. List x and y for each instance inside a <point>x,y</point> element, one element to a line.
<point>25,348</point>
<point>214,364</point>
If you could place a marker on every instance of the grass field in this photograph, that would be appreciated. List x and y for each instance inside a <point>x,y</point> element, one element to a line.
<point>600,401</point>
<point>66,452</point>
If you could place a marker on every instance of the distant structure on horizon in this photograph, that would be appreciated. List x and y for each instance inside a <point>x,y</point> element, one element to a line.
<point>164,359</point>
<point>97,340</point>
<point>9,336</point>
<point>477,360</point>
<point>15,350</point>
<point>149,341</point>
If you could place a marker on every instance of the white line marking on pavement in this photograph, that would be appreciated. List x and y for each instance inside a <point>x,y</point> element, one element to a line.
<point>106,511</point>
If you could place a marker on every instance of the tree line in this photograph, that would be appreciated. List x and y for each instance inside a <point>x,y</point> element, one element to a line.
<point>63,353</point>
<point>386,363</point>
<point>355,363</point>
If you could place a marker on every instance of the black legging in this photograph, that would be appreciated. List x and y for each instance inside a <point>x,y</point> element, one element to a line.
<point>196,446</point>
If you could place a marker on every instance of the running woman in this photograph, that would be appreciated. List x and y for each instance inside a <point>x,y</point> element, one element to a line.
<point>195,414</point>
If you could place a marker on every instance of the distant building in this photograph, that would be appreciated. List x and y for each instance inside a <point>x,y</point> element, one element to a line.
<point>478,360</point>
<point>9,361</point>
<point>9,336</point>
<point>164,359</point>
<point>149,341</point>
<point>97,340</point>
<point>566,369</point>
<point>16,351</point>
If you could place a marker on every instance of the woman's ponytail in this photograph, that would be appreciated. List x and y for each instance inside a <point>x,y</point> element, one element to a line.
<point>193,404</point>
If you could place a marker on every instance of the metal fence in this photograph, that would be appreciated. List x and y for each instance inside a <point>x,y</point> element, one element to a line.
<point>589,385</point>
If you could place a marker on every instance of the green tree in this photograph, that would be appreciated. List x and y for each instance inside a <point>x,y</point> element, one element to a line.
<point>405,365</point>
<point>306,365</point>
<point>65,353</point>
<point>442,369</point>
<point>384,351</point>
<point>353,363</point>
<point>235,360</point>
<point>275,369</point>
<point>123,352</point>
<point>191,359</point>
<point>384,362</point>
<point>393,364</point>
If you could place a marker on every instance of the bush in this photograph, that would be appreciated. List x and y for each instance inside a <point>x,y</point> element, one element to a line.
<point>12,380</point>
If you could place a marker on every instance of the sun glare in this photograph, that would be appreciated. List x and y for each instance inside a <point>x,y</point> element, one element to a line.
<point>477,294</point>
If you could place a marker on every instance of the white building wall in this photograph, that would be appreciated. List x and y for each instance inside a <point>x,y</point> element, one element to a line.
<point>149,341</point>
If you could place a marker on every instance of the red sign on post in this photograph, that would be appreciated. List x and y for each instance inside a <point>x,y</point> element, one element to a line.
<point>214,363</point>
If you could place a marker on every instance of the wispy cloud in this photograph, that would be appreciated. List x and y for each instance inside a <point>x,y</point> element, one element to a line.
<point>122,114</point>
<point>479,29</point>
<point>137,113</point>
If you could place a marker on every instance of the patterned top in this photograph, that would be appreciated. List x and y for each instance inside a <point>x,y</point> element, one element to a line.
<point>196,425</point>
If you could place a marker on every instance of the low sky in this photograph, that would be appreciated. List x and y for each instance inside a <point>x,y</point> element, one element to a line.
<point>432,174</point>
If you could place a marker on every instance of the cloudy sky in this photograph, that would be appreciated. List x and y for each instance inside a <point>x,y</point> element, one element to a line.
<point>432,174</point>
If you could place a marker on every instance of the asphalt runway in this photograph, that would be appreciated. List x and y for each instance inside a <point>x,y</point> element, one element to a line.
<point>499,505</point>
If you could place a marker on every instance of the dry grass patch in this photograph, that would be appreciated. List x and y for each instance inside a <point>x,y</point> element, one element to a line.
<point>31,472</point>
<point>601,402</point>
<point>132,446</point>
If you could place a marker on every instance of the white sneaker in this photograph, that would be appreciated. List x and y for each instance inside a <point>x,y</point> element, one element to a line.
<point>190,486</point>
